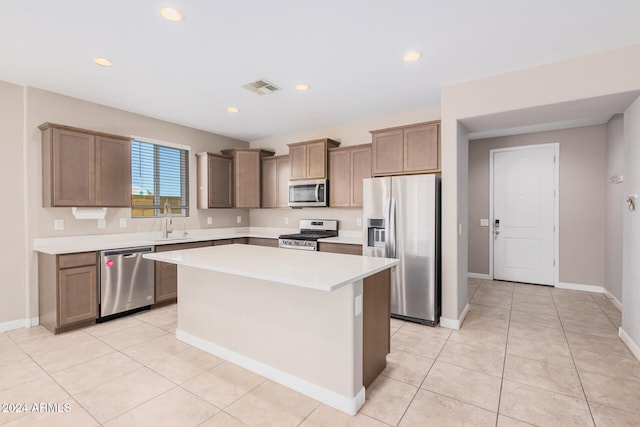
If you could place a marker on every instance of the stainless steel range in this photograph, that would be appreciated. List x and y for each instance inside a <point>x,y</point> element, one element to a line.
<point>310,231</point>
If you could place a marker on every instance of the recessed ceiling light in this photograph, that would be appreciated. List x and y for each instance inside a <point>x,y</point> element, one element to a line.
<point>170,14</point>
<point>102,61</point>
<point>232,109</point>
<point>302,87</point>
<point>411,56</point>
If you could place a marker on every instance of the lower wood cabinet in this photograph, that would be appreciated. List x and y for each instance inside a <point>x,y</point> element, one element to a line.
<point>67,290</point>
<point>340,248</point>
<point>260,241</point>
<point>167,274</point>
<point>376,315</point>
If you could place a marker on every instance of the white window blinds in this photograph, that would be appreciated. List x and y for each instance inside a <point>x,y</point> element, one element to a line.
<point>159,175</point>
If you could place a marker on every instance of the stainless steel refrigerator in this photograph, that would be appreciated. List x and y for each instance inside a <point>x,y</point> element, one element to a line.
<point>402,221</point>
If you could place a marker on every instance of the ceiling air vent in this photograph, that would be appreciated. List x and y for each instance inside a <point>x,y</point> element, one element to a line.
<point>261,87</point>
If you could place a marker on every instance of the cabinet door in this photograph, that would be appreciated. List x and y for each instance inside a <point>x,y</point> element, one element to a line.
<point>421,148</point>
<point>269,183</point>
<point>77,294</point>
<point>282,170</point>
<point>73,168</point>
<point>360,169</point>
<point>339,178</point>
<point>113,172</point>
<point>220,182</point>
<point>166,281</point>
<point>298,159</point>
<point>387,152</point>
<point>317,160</point>
<point>247,179</point>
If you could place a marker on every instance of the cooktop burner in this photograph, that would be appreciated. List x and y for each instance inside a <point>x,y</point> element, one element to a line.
<point>314,229</point>
<point>309,235</point>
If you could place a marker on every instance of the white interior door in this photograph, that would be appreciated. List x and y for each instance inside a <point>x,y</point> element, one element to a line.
<point>523,223</point>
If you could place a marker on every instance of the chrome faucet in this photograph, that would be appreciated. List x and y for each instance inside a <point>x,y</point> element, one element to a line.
<point>167,221</point>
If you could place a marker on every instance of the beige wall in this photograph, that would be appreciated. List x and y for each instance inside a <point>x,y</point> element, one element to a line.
<point>13,249</point>
<point>582,181</point>
<point>347,134</point>
<point>21,111</point>
<point>630,330</point>
<point>614,207</point>
<point>605,73</point>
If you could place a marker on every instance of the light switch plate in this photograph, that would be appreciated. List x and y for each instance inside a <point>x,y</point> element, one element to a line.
<point>58,224</point>
<point>358,305</point>
<point>239,219</point>
<point>209,220</point>
<point>359,222</point>
<point>286,220</point>
<point>484,222</point>
<point>102,223</point>
<point>123,222</point>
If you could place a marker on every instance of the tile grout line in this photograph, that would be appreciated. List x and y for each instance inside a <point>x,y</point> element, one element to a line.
<point>504,361</point>
<point>564,332</point>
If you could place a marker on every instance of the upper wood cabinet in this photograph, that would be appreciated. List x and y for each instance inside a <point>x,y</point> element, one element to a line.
<point>348,166</point>
<point>83,168</point>
<point>406,149</point>
<point>246,166</point>
<point>308,159</point>
<point>214,180</point>
<point>275,182</point>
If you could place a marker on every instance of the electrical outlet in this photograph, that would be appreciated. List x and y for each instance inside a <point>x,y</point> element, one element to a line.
<point>102,223</point>
<point>359,222</point>
<point>286,220</point>
<point>484,222</point>
<point>239,219</point>
<point>58,224</point>
<point>209,220</point>
<point>123,222</point>
<point>358,305</point>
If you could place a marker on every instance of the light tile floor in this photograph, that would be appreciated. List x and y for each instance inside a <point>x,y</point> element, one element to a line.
<point>526,355</point>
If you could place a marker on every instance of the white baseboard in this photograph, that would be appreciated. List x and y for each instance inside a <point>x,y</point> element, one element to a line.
<point>633,346</point>
<point>613,299</point>
<point>454,323</point>
<point>19,323</point>
<point>580,287</point>
<point>479,276</point>
<point>350,405</point>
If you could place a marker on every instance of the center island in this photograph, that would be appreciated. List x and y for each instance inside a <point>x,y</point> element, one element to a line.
<point>315,322</point>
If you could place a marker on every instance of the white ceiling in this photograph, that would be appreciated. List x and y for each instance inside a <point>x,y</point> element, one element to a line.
<point>348,51</point>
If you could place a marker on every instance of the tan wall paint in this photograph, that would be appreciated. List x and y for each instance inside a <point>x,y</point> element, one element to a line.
<point>610,72</point>
<point>24,108</point>
<point>614,207</point>
<point>582,153</point>
<point>13,249</point>
<point>347,134</point>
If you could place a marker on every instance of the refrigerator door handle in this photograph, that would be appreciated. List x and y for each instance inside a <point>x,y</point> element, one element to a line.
<point>387,243</point>
<point>391,237</point>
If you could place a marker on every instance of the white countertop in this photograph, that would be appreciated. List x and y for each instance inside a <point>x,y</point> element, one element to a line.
<point>99,242</point>
<point>322,271</point>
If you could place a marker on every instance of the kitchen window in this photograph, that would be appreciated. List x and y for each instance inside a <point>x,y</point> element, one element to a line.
<point>159,175</point>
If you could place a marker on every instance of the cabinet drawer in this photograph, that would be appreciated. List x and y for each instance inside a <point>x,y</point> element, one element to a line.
<point>77,260</point>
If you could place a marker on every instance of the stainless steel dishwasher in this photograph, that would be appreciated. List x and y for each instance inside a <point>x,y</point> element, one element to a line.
<point>127,281</point>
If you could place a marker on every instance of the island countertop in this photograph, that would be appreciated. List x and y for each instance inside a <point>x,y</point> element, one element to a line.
<point>322,271</point>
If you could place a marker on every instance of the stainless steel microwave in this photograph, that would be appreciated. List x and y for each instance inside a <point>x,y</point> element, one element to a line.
<point>309,193</point>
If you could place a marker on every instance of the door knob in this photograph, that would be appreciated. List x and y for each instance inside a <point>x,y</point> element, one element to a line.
<point>496,227</point>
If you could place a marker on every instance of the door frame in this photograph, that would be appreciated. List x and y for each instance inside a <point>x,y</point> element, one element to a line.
<point>556,207</point>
